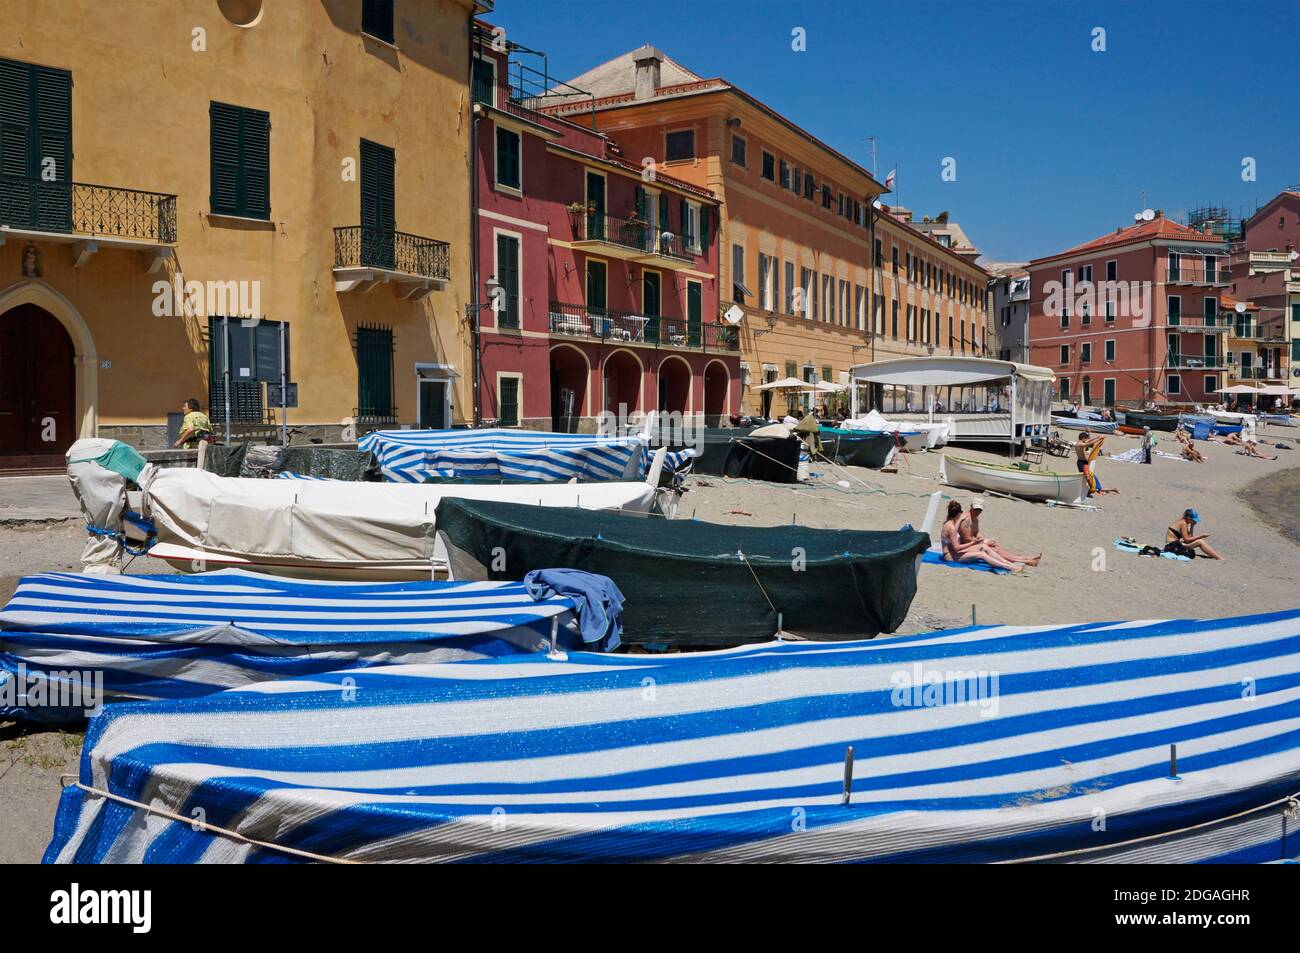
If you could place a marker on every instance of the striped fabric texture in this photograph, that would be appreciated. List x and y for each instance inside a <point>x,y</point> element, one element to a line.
<point>410,456</point>
<point>997,743</point>
<point>184,636</point>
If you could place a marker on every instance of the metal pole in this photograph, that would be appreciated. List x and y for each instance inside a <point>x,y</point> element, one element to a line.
<point>225,374</point>
<point>284,396</point>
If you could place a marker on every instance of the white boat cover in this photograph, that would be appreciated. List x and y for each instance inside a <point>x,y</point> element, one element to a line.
<point>183,636</point>
<point>982,744</point>
<point>336,523</point>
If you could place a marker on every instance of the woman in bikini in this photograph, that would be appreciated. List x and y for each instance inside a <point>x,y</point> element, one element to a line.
<point>968,528</point>
<point>956,551</point>
<point>1181,538</point>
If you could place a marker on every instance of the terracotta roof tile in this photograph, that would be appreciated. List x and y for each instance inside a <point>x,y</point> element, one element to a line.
<point>1142,231</point>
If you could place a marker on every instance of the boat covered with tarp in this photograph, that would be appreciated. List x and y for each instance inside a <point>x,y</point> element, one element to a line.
<point>1040,485</point>
<point>1083,423</point>
<point>198,521</point>
<point>513,456</point>
<point>983,744</point>
<point>688,582</point>
<point>1167,423</point>
<point>740,453</point>
<point>859,448</point>
<point>170,636</point>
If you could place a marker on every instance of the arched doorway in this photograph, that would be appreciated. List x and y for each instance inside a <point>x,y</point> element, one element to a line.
<point>622,383</point>
<point>569,376</point>
<point>38,388</point>
<point>716,384</point>
<point>674,386</point>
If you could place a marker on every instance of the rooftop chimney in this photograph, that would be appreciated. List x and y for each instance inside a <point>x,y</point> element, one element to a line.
<point>648,59</point>
<point>1160,213</point>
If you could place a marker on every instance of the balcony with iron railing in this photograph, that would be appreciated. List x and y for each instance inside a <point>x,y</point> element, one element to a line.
<point>365,256</point>
<point>611,325</point>
<point>1255,373</point>
<point>92,214</point>
<point>1204,362</point>
<point>632,239</point>
<point>1195,273</point>
<point>1199,323</point>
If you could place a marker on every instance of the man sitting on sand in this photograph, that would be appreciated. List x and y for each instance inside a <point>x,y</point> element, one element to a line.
<point>1181,538</point>
<point>954,550</point>
<point>1189,451</point>
<point>969,530</point>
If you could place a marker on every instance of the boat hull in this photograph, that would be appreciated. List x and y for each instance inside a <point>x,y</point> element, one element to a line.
<point>1081,423</point>
<point>858,448</point>
<point>1027,484</point>
<point>1163,422</point>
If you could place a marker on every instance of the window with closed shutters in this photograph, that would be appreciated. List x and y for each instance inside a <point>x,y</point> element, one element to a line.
<point>241,161</point>
<point>35,146</point>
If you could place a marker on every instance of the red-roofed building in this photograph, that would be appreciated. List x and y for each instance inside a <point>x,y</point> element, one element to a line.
<point>1132,316</point>
<point>596,288</point>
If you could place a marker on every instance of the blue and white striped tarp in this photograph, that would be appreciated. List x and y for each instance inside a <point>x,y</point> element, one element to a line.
<point>984,744</point>
<point>410,456</point>
<point>185,636</point>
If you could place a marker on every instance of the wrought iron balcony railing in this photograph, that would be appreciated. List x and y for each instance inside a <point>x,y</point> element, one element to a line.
<point>1206,362</point>
<point>1197,274</point>
<point>359,246</point>
<point>607,324</point>
<point>631,233</point>
<point>82,209</point>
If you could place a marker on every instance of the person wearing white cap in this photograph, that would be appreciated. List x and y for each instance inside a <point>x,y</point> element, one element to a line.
<point>969,530</point>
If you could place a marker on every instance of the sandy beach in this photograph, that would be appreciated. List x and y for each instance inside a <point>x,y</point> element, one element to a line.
<point>1249,506</point>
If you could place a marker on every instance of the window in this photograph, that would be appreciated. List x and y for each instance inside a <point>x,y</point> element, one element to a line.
<point>894,257</point>
<point>375,372</point>
<point>807,285</point>
<point>508,160</point>
<point>766,292</point>
<point>597,284</point>
<point>690,213</point>
<point>738,150</point>
<point>680,145</point>
<point>1211,310</point>
<point>893,319</point>
<point>378,205</point>
<point>785,175</point>
<point>796,185</point>
<point>1087,391</point>
<point>791,369</point>
<point>828,299</point>
<point>1112,270</point>
<point>789,288</point>
<point>483,83</point>
<point>859,307</point>
<point>1065,354</point>
<point>1174,384</point>
<point>827,372</point>
<point>1085,274</point>
<point>880,257</point>
<point>1210,384</point>
<point>506,304</point>
<point>1085,353</point>
<point>1175,266</point>
<point>826,195</point>
<point>846,317</point>
<point>1108,350</point>
<point>651,296</point>
<point>809,186</point>
<point>1110,307</point>
<point>1063,392</point>
<point>241,161</point>
<point>738,289</point>
<point>508,398</point>
<point>769,166</point>
<point>36,127</point>
<point>1175,309</point>
<point>377,19</point>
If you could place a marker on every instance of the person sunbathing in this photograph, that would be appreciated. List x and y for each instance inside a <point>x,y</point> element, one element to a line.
<point>969,530</point>
<point>1181,538</point>
<point>1249,448</point>
<point>954,550</point>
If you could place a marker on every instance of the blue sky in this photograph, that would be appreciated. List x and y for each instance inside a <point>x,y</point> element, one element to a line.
<point>1054,143</point>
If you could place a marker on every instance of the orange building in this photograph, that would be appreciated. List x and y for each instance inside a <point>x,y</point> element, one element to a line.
<point>806,252</point>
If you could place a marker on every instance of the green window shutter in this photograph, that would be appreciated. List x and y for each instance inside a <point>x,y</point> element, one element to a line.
<point>683,217</point>
<point>791,370</point>
<point>375,371</point>
<point>255,143</point>
<point>508,158</point>
<point>508,276</point>
<point>640,203</point>
<point>694,313</point>
<point>663,213</point>
<point>15,120</point>
<point>36,145</point>
<point>509,402</point>
<point>378,212</point>
<point>704,229</point>
<point>224,196</point>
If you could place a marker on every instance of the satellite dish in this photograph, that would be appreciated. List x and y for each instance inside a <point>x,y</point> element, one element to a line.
<point>1137,216</point>
<point>734,314</point>
<point>1148,215</point>
<point>1295,255</point>
<point>1240,307</point>
<point>665,236</point>
<point>876,204</point>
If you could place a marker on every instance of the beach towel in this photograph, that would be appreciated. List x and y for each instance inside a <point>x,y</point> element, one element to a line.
<point>1124,546</point>
<point>597,599</point>
<point>1128,456</point>
<point>934,557</point>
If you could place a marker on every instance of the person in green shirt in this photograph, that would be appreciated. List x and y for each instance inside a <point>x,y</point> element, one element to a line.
<point>194,427</point>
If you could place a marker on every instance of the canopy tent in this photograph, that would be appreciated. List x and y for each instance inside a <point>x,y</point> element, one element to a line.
<point>980,744</point>
<point>1240,389</point>
<point>786,383</point>
<point>981,399</point>
<point>182,636</point>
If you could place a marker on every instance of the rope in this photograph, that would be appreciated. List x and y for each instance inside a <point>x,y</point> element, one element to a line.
<point>1290,801</point>
<point>210,828</point>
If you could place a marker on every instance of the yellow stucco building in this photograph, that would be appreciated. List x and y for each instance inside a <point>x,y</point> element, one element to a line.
<point>806,247</point>
<point>296,161</point>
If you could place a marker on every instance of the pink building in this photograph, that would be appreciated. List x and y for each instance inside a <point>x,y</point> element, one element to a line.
<point>596,279</point>
<point>1133,316</point>
<point>1266,275</point>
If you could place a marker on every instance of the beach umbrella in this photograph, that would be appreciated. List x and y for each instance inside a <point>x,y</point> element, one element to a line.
<point>829,387</point>
<point>1240,389</point>
<point>786,383</point>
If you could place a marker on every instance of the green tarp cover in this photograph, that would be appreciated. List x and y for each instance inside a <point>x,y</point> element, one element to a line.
<point>855,448</point>
<point>331,462</point>
<point>684,581</point>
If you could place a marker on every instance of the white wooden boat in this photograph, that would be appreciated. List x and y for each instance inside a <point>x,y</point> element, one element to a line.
<point>999,478</point>
<point>917,435</point>
<point>1082,423</point>
<point>1280,420</point>
<point>1232,417</point>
